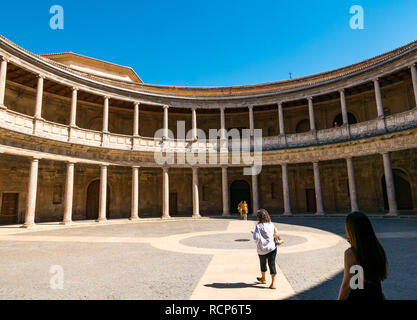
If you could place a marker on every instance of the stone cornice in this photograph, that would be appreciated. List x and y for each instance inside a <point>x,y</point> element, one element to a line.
<point>247,95</point>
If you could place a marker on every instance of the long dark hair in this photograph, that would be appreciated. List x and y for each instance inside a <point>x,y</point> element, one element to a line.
<point>366,247</point>
<point>263,216</point>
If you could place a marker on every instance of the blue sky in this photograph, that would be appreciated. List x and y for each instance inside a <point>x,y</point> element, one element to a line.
<point>216,42</point>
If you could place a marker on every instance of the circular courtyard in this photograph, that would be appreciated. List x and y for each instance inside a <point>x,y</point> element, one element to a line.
<point>192,259</point>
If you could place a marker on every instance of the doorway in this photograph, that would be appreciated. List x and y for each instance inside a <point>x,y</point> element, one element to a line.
<point>93,200</point>
<point>311,200</point>
<point>173,204</point>
<point>9,207</point>
<point>239,191</point>
<point>402,191</point>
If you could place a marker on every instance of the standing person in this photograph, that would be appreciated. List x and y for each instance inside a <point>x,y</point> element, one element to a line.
<point>366,252</point>
<point>266,235</point>
<point>245,210</point>
<point>240,208</point>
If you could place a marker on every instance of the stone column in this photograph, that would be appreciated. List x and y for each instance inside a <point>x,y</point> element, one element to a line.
<point>166,121</point>
<point>281,119</point>
<point>343,107</point>
<point>317,186</point>
<point>136,120</point>
<point>311,114</point>
<point>196,202</point>
<point>69,191</point>
<point>222,124</point>
<point>39,97</point>
<point>255,195</point>
<point>31,196</point>
<point>165,193</point>
<point>251,121</point>
<point>106,115</point>
<point>134,212</point>
<point>102,210</point>
<point>286,190</point>
<point>194,123</point>
<point>389,181</point>
<point>73,115</point>
<point>379,106</point>
<point>225,192</point>
<point>3,74</point>
<point>414,78</point>
<point>352,185</point>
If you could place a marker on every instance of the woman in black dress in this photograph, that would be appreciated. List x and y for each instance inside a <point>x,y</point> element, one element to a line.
<point>366,252</point>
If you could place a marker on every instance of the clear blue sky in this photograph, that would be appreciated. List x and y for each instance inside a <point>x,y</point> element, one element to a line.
<point>214,42</point>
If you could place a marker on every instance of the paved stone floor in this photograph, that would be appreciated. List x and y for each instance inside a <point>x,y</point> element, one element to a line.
<point>193,259</point>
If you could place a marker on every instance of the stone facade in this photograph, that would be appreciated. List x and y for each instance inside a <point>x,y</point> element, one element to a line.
<point>62,120</point>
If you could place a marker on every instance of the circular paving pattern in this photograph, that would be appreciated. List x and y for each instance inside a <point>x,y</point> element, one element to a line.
<point>234,241</point>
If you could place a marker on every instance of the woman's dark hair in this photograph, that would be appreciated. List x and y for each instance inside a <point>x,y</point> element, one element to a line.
<point>366,247</point>
<point>263,216</point>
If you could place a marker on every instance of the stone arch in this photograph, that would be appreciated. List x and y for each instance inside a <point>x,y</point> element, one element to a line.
<point>239,191</point>
<point>93,198</point>
<point>339,119</point>
<point>403,191</point>
<point>302,126</point>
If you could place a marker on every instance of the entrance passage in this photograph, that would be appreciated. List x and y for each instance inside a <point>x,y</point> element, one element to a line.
<point>8,213</point>
<point>93,200</point>
<point>402,191</point>
<point>239,191</point>
<point>311,200</point>
<point>173,204</point>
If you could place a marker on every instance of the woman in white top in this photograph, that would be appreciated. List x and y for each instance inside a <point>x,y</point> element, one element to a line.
<point>266,237</point>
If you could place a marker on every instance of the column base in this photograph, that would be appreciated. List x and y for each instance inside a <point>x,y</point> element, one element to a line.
<point>226,214</point>
<point>166,217</point>
<point>392,214</point>
<point>101,220</point>
<point>66,223</point>
<point>133,218</point>
<point>196,216</point>
<point>319,214</point>
<point>28,225</point>
<point>287,214</point>
<point>2,106</point>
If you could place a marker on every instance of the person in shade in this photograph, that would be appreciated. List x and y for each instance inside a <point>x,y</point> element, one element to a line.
<point>266,238</point>
<point>245,210</point>
<point>366,252</point>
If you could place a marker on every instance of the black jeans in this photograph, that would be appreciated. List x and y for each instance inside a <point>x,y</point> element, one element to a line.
<point>270,257</point>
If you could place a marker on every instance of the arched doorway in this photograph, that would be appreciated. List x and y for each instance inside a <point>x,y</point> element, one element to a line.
<point>239,191</point>
<point>93,200</point>
<point>402,191</point>
<point>339,119</point>
<point>303,126</point>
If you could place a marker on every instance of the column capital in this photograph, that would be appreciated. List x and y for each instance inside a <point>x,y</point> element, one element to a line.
<point>250,107</point>
<point>103,165</point>
<point>3,58</point>
<point>35,158</point>
<point>315,162</point>
<point>135,167</point>
<point>71,162</point>
<point>222,108</point>
<point>349,158</point>
<point>375,79</point>
<point>385,152</point>
<point>40,76</point>
<point>136,103</point>
<point>310,98</point>
<point>224,166</point>
<point>106,97</point>
<point>280,103</point>
<point>342,90</point>
<point>75,89</point>
<point>165,107</point>
<point>413,65</point>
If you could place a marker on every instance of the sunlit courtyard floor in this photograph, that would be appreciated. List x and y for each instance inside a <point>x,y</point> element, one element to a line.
<point>192,259</point>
